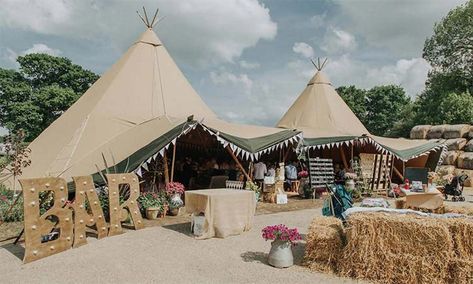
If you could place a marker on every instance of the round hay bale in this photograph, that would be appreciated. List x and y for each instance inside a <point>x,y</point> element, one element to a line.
<point>456,131</point>
<point>469,146</point>
<point>455,144</point>
<point>436,132</point>
<point>469,173</point>
<point>420,131</point>
<point>465,160</point>
<point>445,170</point>
<point>451,158</point>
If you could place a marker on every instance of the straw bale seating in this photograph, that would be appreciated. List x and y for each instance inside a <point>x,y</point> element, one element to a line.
<point>393,248</point>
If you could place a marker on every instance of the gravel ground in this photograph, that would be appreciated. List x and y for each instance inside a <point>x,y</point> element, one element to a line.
<point>169,254</point>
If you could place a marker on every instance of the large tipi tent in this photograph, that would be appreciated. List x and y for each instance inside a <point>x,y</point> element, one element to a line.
<point>141,105</point>
<point>327,121</point>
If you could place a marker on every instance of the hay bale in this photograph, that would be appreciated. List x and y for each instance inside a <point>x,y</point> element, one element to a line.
<point>445,170</point>
<point>436,132</point>
<point>460,271</point>
<point>461,230</point>
<point>324,244</point>
<point>396,248</point>
<point>400,203</point>
<point>469,146</point>
<point>456,131</point>
<point>455,144</point>
<point>459,210</point>
<point>465,160</point>
<point>399,268</point>
<point>420,131</point>
<point>469,173</point>
<point>451,158</point>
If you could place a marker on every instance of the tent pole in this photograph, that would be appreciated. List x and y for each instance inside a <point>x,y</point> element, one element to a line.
<point>285,156</point>
<point>374,171</point>
<point>396,171</point>
<point>351,152</point>
<point>344,159</point>
<point>380,168</point>
<point>166,169</point>
<point>238,163</point>
<point>173,161</point>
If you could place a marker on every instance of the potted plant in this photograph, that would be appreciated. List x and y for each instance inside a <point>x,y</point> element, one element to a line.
<point>283,239</point>
<point>174,190</point>
<point>151,203</point>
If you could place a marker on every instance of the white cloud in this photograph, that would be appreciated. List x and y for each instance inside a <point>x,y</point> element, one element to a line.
<point>42,48</point>
<point>303,49</point>
<point>225,78</point>
<point>249,65</point>
<point>400,26</point>
<point>200,32</point>
<point>10,55</point>
<point>35,15</point>
<point>318,21</point>
<point>338,41</point>
<point>411,74</point>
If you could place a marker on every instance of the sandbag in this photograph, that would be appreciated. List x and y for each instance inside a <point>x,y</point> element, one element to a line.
<point>451,158</point>
<point>469,146</point>
<point>436,132</point>
<point>446,170</point>
<point>465,161</point>
<point>455,144</point>
<point>420,131</point>
<point>456,131</point>
<point>469,173</point>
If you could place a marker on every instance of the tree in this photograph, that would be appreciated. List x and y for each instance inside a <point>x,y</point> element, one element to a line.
<point>456,108</point>
<point>450,53</point>
<point>356,99</point>
<point>450,49</point>
<point>44,87</point>
<point>384,108</point>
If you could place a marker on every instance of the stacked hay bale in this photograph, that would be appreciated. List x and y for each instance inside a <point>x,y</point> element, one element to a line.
<point>393,248</point>
<point>324,245</point>
<point>459,140</point>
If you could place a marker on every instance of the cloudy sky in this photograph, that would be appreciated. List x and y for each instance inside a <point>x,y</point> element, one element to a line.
<point>248,59</point>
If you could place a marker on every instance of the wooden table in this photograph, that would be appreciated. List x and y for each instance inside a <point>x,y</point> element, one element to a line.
<point>227,211</point>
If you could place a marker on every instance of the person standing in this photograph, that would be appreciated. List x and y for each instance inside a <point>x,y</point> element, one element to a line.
<point>259,171</point>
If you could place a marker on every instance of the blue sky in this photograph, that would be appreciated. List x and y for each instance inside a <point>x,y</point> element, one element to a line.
<point>248,59</point>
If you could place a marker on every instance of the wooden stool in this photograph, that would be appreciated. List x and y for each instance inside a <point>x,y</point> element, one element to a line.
<point>295,184</point>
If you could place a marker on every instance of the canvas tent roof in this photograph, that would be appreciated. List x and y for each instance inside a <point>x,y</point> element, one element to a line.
<point>326,120</point>
<point>143,95</point>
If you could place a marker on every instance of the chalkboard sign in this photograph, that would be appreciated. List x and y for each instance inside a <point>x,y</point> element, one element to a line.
<point>417,174</point>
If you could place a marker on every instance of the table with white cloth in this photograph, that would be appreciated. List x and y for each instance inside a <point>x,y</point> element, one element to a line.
<point>227,211</point>
<point>427,200</point>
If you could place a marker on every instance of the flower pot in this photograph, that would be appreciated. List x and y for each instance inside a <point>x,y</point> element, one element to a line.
<point>176,199</point>
<point>152,213</point>
<point>280,255</point>
<point>174,212</point>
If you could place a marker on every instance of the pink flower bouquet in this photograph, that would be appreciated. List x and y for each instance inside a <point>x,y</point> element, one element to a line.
<point>303,174</point>
<point>282,233</point>
<point>174,188</point>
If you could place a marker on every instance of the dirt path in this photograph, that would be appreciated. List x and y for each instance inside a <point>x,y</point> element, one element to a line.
<point>169,254</point>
